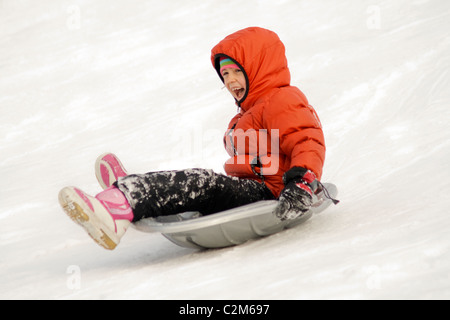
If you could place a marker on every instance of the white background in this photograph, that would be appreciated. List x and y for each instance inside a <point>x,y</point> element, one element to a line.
<point>78,78</point>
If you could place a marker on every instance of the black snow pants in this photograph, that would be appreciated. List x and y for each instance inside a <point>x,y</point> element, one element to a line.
<point>170,192</point>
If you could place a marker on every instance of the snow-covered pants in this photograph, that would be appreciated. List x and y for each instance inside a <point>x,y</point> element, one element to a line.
<point>170,192</point>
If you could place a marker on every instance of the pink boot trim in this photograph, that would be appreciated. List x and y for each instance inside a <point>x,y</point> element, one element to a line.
<point>117,205</point>
<point>115,166</point>
<point>105,173</point>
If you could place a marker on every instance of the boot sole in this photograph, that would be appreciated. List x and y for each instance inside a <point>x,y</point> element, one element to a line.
<point>80,213</point>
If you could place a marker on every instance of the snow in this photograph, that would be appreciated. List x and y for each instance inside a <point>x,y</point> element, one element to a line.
<point>78,78</point>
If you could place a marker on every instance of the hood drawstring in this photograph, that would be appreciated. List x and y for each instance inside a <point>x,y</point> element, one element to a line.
<point>256,163</point>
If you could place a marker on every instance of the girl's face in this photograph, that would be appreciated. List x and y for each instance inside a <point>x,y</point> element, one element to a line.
<point>234,80</point>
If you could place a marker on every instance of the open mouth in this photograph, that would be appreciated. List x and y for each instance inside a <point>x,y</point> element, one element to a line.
<point>238,93</point>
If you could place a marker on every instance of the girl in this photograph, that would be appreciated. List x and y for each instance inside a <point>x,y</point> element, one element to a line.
<point>275,142</point>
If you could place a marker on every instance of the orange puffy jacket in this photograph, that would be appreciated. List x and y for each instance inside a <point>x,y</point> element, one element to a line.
<point>276,129</point>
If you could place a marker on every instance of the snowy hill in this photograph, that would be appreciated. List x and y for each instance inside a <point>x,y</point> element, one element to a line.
<point>134,78</point>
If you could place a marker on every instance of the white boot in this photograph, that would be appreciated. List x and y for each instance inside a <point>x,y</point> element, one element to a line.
<point>105,217</point>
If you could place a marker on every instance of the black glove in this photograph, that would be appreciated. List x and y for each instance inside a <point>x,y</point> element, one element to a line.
<point>296,198</point>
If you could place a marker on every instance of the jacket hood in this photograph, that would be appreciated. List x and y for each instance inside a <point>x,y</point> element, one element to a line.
<point>261,55</point>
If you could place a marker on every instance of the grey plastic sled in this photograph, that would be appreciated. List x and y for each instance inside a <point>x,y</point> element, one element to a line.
<point>230,227</point>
